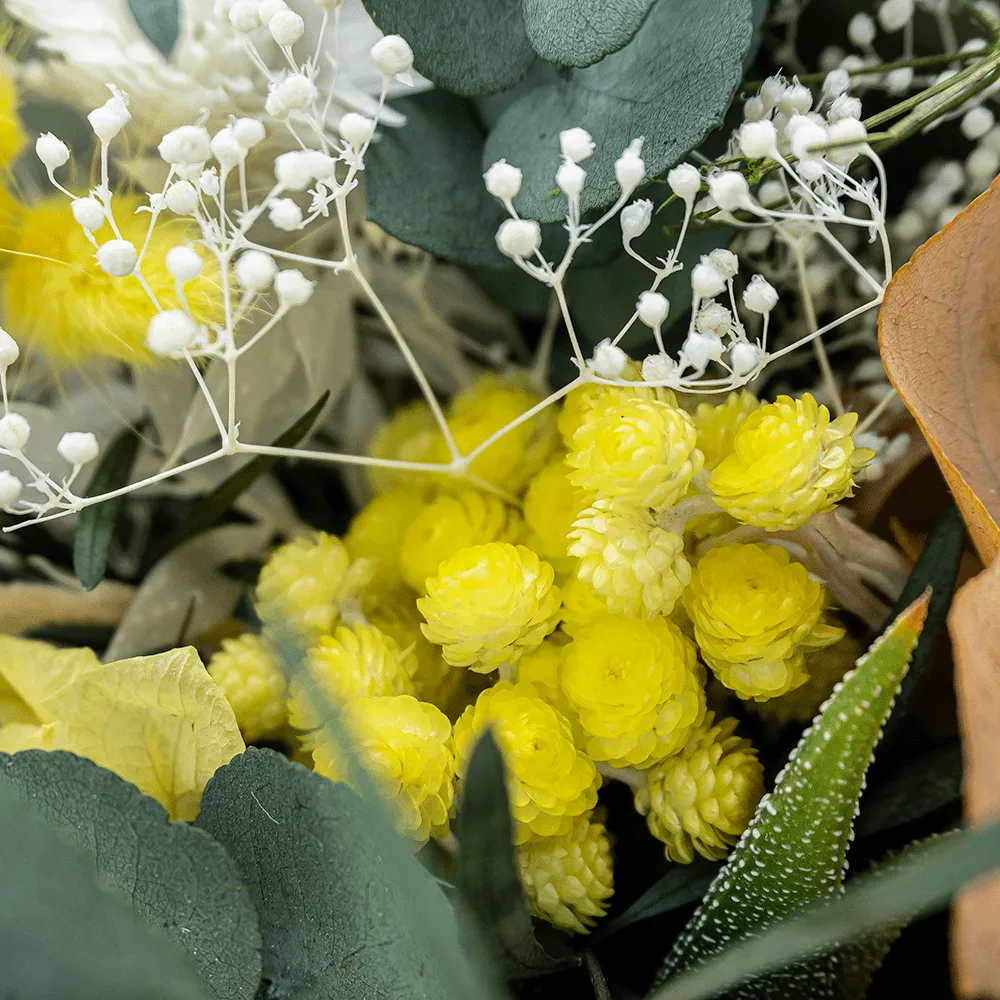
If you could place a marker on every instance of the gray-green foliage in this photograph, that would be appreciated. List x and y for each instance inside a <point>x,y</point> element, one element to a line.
<point>580,32</point>
<point>159,20</point>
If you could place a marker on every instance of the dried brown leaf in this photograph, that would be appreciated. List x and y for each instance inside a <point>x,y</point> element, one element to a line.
<point>25,607</point>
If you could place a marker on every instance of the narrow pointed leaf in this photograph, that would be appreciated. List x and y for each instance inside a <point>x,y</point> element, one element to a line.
<point>795,849</point>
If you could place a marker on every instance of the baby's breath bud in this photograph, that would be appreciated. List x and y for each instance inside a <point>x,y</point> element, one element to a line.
<point>652,308</point>
<point>208,181</point>
<point>760,296</point>
<point>293,288</point>
<point>14,431</point>
<point>184,263</point>
<point>976,122</point>
<point>658,368</point>
<point>895,14</point>
<point>503,180</point>
<point>285,215</point>
<point>293,93</point>
<point>576,144</point>
<point>714,318</point>
<point>89,213</point>
<point>109,119</point>
<point>9,351</point>
<point>845,128</point>
<point>188,144</point>
<point>570,177</point>
<point>329,5</point>
<point>982,164</point>
<point>244,15</point>
<point>248,132</point>
<point>78,447</point>
<point>268,8</point>
<point>806,134</point>
<point>685,181</point>
<point>635,219</point>
<point>286,27</point>
<point>771,193</point>
<point>609,360</point>
<point>170,332</point>
<point>744,357</point>
<point>836,83</point>
<point>771,90</point>
<point>758,139</point>
<point>182,198</point>
<point>356,129</point>
<point>795,99</point>
<point>753,109</point>
<point>861,30</point>
<point>519,237</point>
<point>844,107</point>
<point>726,261</point>
<point>706,279</point>
<point>293,170</point>
<point>392,55</point>
<point>117,258</point>
<point>10,488</point>
<point>227,149</point>
<point>255,270</point>
<point>700,348</point>
<point>52,151</point>
<point>729,189</point>
<point>630,167</point>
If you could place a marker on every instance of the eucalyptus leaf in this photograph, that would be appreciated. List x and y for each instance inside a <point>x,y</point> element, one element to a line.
<point>62,935</point>
<point>176,878</point>
<point>580,32</point>
<point>159,21</point>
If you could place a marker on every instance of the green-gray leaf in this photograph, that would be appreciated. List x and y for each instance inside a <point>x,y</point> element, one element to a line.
<point>175,877</point>
<point>580,32</point>
<point>465,46</point>
<point>159,21</point>
<point>61,935</point>
<point>671,84</point>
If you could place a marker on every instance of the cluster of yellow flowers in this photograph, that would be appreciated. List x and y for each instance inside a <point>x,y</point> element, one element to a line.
<point>576,624</point>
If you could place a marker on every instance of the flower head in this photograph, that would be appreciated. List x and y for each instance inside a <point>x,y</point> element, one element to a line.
<point>254,686</point>
<point>411,434</point>
<point>377,530</point>
<point>717,425</point>
<point>581,604</point>
<point>551,505</point>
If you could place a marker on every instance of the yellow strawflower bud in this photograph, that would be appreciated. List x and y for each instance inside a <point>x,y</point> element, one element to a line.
<point>638,567</point>
<point>635,687</point>
<point>450,523</point>
<point>551,505</point>
<point>641,450</point>
<point>717,425</point>
<point>581,604</point>
<point>411,434</point>
<point>254,686</point>
<point>702,799</point>
<point>753,611</point>
<point>488,604</point>
<point>569,879</point>
<point>404,743</point>
<point>549,781</point>
<point>789,461</point>
<point>304,583</point>
<point>355,662</point>
<point>376,532</point>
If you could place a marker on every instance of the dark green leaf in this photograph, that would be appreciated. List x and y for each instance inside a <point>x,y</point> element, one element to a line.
<point>159,21</point>
<point>175,877</point>
<point>922,881</point>
<point>487,877</point>
<point>465,46</point>
<point>96,524</point>
<point>671,84</point>
<point>63,936</point>
<point>580,32</point>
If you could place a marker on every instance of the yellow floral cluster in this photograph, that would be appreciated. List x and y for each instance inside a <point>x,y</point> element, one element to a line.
<point>568,594</point>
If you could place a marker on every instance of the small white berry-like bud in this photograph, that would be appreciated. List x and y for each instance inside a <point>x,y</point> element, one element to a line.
<point>329,5</point>
<point>652,308</point>
<point>255,270</point>
<point>909,225</point>
<point>286,27</point>
<point>757,241</point>
<point>729,189</point>
<point>744,357</point>
<point>356,129</point>
<point>950,176</point>
<point>658,368</point>
<point>248,132</point>
<point>182,198</point>
<point>796,99</point>
<point>294,170</point>
<point>295,92</point>
<point>895,14</point>
<point>861,30</point>
<point>609,360</point>
<point>266,9</point>
<point>9,351</point>
<point>758,139</point>
<point>806,134</point>
<point>184,263</point>
<point>170,332</point>
<point>630,167</point>
<point>700,348</point>
<point>10,488</point>
<point>771,90</point>
<point>898,81</point>
<point>285,215</point>
<point>52,151</point>
<point>78,447</point>
<point>109,119</point>
<point>570,177</point>
<point>293,288</point>
<point>14,432</point>
<point>846,128</point>
<point>503,180</point>
<point>753,109</point>
<point>844,107</point>
<point>227,150</point>
<point>760,296</point>
<point>714,318</point>
<point>188,144</point>
<point>982,164</point>
<point>392,55</point>
<point>976,122</point>
<point>771,193</point>
<point>726,261</point>
<point>576,144</point>
<point>208,181</point>
<point>321,166</point>
<point>685,181</point>
<point>706,279</point>
<point>117,258</point>
<point>519,237</point>
<point>836,83</point>
<point>635,219</point>
<point>244,15</point>
<point>89,213</point>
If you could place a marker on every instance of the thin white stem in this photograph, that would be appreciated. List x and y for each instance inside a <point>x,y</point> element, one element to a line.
<point>876,412</point>
<point>829,380</point>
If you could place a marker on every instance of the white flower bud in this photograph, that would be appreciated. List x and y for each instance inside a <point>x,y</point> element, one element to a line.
<point>293,288</point>
<point>760,295</point>
<point>9,351</point>
<point>170,332</point>
<point>729,189</point>
<point>227,150</point>
<point>861,30</point>
<point>321,166</point>
<point>796,99</point>
<point>895,14</point>
<point>726,261</point>
<point>836,83</point>
<point>758,139</point>
<point>910,226</point>
<point>519,237</point>
<point>117,258</point>
<point>846,128</point>
<point>771,90</point>
<point>208,181</point>
<point>898,81</point>
<point>685,181</point>
<point>950,176</point>
<point>976,122</point>
<point>89,213</point>
<point>570,177</point>
<point>182,198</point>
<point>844,107</point>
<point>52,151</point>
<point>184,263</point>
<point>652,308</point>
<point>109,119</point>
<point>10,488</point>
<point>714,318</point>
<point>753,109</point>
<point>981,165</point>
<point>329,5</point>
<point>576,144</point>
<point>503,181</point>
<point>266,9</point>
<point>658,368</point>
<point>635,219</point>
<point>744,357</point>
<point>78,447</point>
<point>294,170</point>
<point>392,55</point>
<point>14,432</point>
<point>188,144</point>
<point>757,241</point>
<point>285,215</point>
<point>356,129</point>
<point>630,168</point>
<point>609,360</point>
<point>700,348</point>
<point>255,270</point>
<point>248,132</point>
<point>296,92</point>
<point>286,27</point>
<point>706,279</point>
<point>771,193</point>
<point>805,134</point>
<point>244,16</point>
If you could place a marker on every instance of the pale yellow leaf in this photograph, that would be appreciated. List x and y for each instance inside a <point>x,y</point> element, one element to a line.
<point>32,673</point>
